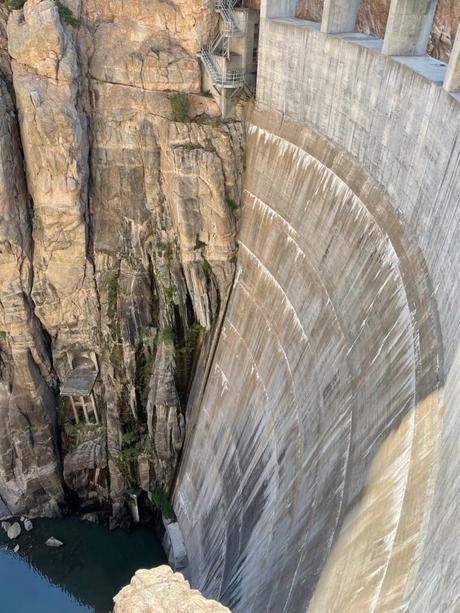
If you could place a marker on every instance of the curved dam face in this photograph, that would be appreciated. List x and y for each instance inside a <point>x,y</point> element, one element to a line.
<point>322,463</point>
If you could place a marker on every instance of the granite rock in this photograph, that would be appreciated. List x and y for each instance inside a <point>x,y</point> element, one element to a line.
<point>14,530</point>
<point>53,542</point>
<point>160,590</point>
<point>105,196</point>
<point>28,525</point>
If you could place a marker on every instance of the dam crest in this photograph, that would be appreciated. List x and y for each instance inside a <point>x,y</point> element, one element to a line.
<point>321,462</point>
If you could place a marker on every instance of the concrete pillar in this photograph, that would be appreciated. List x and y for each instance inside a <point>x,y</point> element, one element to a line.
<point>409,27</point>
<point>452,79</point>
<point>270,9</point>
<point>93,404</point>
<point>339,16</point>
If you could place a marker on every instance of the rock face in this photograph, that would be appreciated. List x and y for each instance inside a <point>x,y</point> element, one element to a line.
<point>373,15</point>
<point>29,464</point>
<point>117,239</point>
<point>159,590</point>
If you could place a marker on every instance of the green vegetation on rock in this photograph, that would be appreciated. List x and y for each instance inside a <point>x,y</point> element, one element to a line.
<point>14,5</point>
<point>180,106</point>
<point>127,457</point>
<point>199,244</point>
<point>165,335</point>
<point>66,14</point>
<point>232,204</point>
<point>207,268</point>
<point>163,504</point>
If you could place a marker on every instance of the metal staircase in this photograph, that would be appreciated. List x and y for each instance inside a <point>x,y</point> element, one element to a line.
<point>216,56</point>
<point>229,79</point>
<point>229,24</point>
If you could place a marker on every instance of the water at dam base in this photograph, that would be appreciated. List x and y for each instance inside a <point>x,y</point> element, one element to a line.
<point>82,575</point>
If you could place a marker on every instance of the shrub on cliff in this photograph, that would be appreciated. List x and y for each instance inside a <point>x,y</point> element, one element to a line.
<point>66,14</point>
<point>232,204</point>
<point>206,266</point>
<point>165,335</point>
<point>179,106</point>
<point>14,5</point>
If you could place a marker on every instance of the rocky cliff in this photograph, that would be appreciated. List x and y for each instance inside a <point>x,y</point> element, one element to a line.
<point>118,187</point>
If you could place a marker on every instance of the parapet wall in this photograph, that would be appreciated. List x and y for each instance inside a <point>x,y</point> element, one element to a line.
<point>323,459</point>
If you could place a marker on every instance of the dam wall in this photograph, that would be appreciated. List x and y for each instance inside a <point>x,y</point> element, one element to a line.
<point>321,468</point>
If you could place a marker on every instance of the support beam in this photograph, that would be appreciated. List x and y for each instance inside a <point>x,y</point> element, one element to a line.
<point>85,412</point>
<point>409,27</point>
<point>339,16</point>
<point>270,9</point>
<point>75,413</point>
<point>93,404</point>
<point>452,80</point>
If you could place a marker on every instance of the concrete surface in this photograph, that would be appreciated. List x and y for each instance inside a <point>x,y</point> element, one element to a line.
<point>339,15</point>
<point>408,27</point>
<point>174,546</point>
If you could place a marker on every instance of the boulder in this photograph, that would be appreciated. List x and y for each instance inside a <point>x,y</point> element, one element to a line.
<point>28,525</point>
<point>159,590</point>
<point>14,531</point>
<point>6,525</point>
<point>54,542</point>
<point>16,548</point>
<point>91,517</point>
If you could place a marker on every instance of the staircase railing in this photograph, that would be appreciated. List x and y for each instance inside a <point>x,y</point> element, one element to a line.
<point>227,79</point>
<point>220,76</point>
<point>229,22</point>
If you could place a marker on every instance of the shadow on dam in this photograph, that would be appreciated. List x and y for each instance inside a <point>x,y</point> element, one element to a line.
<point>309,475</point>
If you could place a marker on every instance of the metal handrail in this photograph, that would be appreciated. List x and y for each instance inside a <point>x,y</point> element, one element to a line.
<point>229,26</point>
<point>230,4</point>
<point>216,42</point>
<point>230,79</point>
<point>225,10</point>
<point>221,77</point>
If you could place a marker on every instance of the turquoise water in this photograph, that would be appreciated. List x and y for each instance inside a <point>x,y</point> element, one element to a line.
<point>82,575</point>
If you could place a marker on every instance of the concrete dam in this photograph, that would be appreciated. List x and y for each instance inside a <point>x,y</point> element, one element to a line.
<point>230,305</point>
<point>322,460</point>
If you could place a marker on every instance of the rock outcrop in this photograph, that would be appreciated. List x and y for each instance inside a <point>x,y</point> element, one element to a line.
<point>117,241</point>
<point>159,590</point>
<point>29,460</point>
<point>14,531</point>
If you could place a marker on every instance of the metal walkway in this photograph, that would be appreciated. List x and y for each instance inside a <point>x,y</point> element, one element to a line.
<point>216,56</point>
